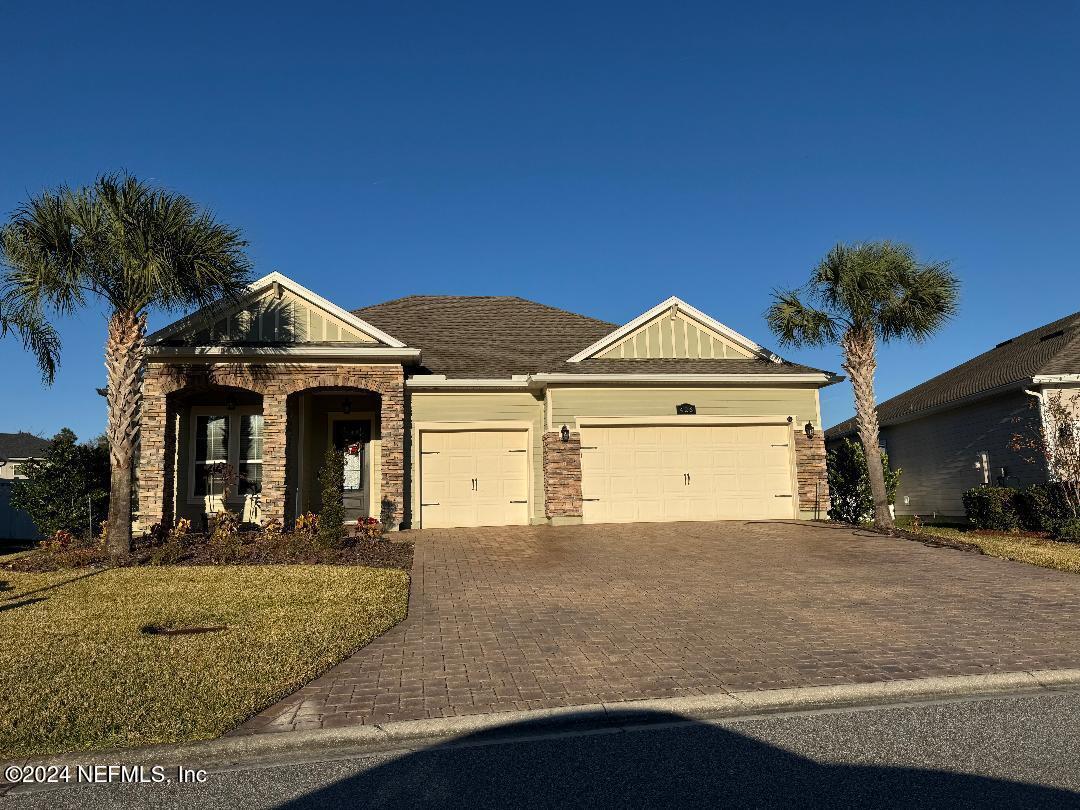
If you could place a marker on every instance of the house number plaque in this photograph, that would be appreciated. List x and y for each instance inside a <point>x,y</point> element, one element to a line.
<point>685,408</point>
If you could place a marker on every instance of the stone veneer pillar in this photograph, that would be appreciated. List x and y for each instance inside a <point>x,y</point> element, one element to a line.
<point>562,476</point>
<point>810,462</point>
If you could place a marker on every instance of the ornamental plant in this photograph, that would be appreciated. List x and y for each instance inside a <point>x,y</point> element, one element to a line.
<point>331,485</point>
<point>850,494</point>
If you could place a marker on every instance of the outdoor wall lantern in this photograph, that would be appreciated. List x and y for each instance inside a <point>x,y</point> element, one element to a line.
<point>346,406</point>
<point>564,434</point>
<point>809,430</point>
<point>230,403</point>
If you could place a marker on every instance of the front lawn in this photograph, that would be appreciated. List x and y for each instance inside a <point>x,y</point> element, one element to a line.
<point>77,670</point>
<point>1024,548</point>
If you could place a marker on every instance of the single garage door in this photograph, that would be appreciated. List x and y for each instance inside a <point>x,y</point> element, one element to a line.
<point>474,478</point>
<point>701,472</point>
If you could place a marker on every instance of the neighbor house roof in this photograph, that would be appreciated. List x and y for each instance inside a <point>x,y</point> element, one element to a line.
<point>21,445</point>
<point>1049,351</point>
<point>493,337</point>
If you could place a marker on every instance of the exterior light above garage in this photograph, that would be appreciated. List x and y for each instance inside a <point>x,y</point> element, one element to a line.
<point>564,434</point>
<point>809,430</point>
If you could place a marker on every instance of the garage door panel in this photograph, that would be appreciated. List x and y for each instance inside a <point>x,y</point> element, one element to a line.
<point>640,473</point>
<point>474,478</point>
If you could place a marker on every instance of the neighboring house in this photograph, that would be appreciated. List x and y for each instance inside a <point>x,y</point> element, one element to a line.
<point>953,432</point>
<point>473,411</point>
<point>15,450</point>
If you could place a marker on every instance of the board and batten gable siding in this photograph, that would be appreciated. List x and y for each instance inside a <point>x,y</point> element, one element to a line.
<point>287,319</point>
<point>679,337</point>
<point>568,404</point>
<point>484,406</point>
<point>937,453</point>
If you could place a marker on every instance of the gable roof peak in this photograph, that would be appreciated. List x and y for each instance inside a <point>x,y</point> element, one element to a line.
<point>675,305</point>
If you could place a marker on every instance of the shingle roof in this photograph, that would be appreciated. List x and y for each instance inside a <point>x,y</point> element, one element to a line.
<point>21,445</point>
<point>495,337</point>
<point>1050,349</point>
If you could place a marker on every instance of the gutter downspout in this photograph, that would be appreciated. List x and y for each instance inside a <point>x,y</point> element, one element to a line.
<point>1040,395</point>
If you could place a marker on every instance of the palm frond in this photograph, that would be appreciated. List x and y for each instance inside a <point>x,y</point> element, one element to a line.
<point>796,323</point>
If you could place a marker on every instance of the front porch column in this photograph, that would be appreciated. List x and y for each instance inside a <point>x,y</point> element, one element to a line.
<point>275,423</point>
<point>157,451</point>
<point>392,418</point>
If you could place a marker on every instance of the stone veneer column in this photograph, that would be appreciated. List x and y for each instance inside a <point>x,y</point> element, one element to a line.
<point>392,461</point>
<point>272,498</point>
<point>157,448</point>
<point>562,476</point>
<point>812,473</point>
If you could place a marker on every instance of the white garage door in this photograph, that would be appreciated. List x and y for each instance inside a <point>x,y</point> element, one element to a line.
<point>701,472</point>
<point>474,478</point>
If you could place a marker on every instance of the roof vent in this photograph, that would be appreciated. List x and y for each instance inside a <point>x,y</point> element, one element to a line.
<point>1004,343</point>
<point>1052,335</point>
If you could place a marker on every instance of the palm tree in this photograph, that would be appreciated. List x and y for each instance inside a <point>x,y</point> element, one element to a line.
<point>860,294</point>
<point>133,247</point>
<point>37,335</point>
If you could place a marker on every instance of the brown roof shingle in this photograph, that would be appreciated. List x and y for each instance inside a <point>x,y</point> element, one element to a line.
<point>1050,349</point>
<point>495,337</point>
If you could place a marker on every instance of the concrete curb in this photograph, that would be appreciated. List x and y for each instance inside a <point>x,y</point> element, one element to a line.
<point>263,750</point>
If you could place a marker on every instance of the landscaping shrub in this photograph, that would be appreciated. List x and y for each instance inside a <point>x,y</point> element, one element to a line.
<point>331,528</point>
<point>67,489</point>
<point>993,508</point>
<point>369,528</point>
<point>1068,530</point>
<point>851,500</point>
<point>1043,507</point>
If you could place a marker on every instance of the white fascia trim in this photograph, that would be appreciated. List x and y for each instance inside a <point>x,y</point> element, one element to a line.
<point>761,379</point>
<point>282,351</point>
<point>686,309</point>
<point>437,381</point>
<point>1049,379</point>
<point>300,291</point>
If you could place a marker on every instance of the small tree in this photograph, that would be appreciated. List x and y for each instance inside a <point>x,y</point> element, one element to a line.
<point>331,486</point>
<point>1056,443</point>
<point>851,497</point>
<point>67,488</point>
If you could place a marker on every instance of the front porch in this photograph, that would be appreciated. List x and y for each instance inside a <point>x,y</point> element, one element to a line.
<point>252,438</point>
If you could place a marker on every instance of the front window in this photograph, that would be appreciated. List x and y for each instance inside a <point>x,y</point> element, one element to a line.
<point>251,449</point>
<point>227,457</point>
<point>211,454</point>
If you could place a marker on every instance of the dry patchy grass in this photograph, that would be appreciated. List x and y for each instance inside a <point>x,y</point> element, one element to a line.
<point>1033,550</point>
<point>78,673</point>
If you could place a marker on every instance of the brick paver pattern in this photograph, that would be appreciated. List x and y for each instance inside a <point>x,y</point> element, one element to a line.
<point>530,617</point>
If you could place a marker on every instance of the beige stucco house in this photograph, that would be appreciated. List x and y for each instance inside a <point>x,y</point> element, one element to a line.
<point>474,411</point>
<point>954,432</point>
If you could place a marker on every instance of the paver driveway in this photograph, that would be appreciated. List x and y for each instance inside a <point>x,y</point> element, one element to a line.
<point>517,618</point>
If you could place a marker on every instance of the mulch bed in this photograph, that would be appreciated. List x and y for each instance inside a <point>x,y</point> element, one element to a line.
<point>198,550</point>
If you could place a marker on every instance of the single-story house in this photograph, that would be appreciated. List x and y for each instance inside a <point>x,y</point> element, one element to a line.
<point>15,450</point>
<point>953,432</point>
<point>474,411</point>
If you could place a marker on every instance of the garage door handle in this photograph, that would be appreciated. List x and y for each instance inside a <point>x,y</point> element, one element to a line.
<point>590,499</point>
<point>431,504</point>
<point>783,496</point>
<point>429,452</point>
<point>517,451</point>
<point>518,501</point>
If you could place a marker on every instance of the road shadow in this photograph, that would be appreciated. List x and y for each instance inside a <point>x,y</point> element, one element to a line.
<point>682,764</point>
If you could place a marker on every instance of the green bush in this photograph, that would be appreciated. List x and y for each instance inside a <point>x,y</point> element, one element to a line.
<point>850,498</point>
<point>1068,530</point>
<point>331,524</point>
<point>67,488</point>
<point>992,508</point>
<point>1043,507</point>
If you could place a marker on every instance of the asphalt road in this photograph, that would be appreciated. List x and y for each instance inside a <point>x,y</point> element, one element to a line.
<point>1001,752</point>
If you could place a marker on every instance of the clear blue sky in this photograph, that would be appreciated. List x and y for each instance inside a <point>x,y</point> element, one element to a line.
<point>594,156</point>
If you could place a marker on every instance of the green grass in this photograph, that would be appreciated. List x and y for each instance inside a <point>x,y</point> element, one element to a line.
<point>1033,550</point>
<point>77,673</point>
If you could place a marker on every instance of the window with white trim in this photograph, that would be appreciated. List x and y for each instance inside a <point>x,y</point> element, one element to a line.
<point>226,454</point>
<point>249,476</point>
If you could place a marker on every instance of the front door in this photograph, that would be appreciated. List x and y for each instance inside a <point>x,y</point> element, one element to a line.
<point>353,438</point>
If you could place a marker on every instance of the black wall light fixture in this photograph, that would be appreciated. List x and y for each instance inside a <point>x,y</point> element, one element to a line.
<point>346,406</point>
<point>809,430</point>
<point>564,434</point>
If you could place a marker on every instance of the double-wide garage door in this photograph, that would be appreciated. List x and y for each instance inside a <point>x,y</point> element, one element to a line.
<point>701,472</point>
<point>474,478</point>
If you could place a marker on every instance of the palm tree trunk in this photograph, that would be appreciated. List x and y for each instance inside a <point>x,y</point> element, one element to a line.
<point>860,361</point>
<point>124,360</point>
